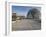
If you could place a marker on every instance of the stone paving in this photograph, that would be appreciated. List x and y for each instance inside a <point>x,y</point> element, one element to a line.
<point>25,24</point>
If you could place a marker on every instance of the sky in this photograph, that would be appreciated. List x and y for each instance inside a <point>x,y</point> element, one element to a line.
<point>20,10</point>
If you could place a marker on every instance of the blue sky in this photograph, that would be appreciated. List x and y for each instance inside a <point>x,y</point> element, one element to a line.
<point>20,10</point>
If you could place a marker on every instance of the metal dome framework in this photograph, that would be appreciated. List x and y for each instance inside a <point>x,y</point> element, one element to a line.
<point>34,13</point>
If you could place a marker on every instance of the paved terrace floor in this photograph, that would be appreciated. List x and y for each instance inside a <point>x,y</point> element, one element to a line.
<point>25,24</point>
